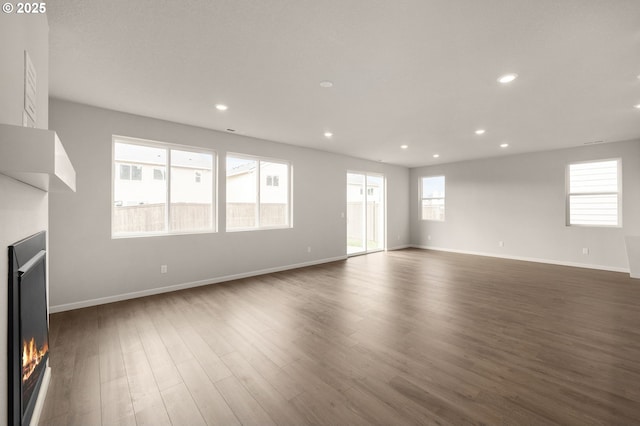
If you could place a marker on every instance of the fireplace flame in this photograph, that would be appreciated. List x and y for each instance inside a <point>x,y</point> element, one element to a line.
<point>31,357</point>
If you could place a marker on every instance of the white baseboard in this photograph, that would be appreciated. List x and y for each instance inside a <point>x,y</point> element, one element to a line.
<point>527,259</point>
<point>42,395</point>
<point>167,289</point>
<point>399,247</point>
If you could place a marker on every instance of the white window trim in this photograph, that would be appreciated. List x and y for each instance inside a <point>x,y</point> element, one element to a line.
<point>422,198</point>
<point>168,147</point>
<point>568,194</point>
<point>289,191</point>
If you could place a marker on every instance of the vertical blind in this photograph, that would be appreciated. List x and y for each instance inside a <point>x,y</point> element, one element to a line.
<point>594,193</point>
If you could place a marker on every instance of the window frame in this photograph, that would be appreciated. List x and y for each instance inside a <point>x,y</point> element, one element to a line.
<point>422,197</point>
<point>167,179</point>
<point>258,159</point>
<point>568,193</point>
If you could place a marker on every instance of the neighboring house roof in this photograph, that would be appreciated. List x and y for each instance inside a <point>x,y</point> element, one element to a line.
<point>241,169</point>
<point>245,167</point>
<point>157,156</point>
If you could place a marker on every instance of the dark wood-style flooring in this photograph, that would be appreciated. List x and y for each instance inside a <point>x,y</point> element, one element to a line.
<point>403,337</point>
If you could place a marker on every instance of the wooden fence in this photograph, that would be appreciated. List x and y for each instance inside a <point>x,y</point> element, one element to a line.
<point>355,221</point>
<point>193,216</point>
<point>150,217</point>
<point>243,215</point>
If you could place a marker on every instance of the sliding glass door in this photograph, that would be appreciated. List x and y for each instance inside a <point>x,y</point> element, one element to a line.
<point>375,212</point>
<point>365,212</point>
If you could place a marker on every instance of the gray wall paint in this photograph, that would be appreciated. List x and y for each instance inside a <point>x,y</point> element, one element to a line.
<point>23,209</point>
<point>520,200</point>
<point>87,264</point>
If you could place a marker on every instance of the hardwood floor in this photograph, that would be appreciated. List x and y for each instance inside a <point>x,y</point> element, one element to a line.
<point>403,337</point>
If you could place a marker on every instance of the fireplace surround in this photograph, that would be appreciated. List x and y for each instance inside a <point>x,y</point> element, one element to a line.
<point>28,334</point>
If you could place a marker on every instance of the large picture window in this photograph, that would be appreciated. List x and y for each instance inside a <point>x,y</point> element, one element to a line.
<point>432,198</point>
<point>593,195</point>
<point>154,190</point>
<point>258,193</point>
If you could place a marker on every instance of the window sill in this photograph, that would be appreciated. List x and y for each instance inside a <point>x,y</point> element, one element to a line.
<point>160,234</point>
<point>263,228</point>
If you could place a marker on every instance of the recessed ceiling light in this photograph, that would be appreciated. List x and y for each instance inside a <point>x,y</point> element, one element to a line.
<point>507,78</point>
<point>404,146</point>
<point>221,107</point>
<point>328,134</point>
<point>480,132</point>
<point>436,155</point>
<point>504,145</point>
<point>326,84</point>
<point>637,106</point>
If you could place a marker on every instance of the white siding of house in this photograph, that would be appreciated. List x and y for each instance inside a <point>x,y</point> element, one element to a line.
<point>154,191</point>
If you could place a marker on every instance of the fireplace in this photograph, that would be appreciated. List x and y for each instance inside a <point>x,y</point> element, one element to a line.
<point>28,326</point>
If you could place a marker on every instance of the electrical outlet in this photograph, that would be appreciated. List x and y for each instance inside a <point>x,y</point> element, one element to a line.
<point>398,238</point>
<point>428,237</point>
<point>163,269</point>
<point>585,250</point>
<point>309,249</point>
<point>500,243</point>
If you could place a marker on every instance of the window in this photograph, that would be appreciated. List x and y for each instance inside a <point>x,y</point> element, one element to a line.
<point>136,172</point>
<point>155,192</point>
<point>593,196</point>
<point>432,198</point>
<point>125,172</point>
<point>258,193</point>
<point>130,172</point>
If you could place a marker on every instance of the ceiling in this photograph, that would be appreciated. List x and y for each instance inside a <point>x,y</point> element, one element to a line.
<point>421,73</point>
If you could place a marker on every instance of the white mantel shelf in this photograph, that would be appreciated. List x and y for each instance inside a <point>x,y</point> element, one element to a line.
<point>35,157</point>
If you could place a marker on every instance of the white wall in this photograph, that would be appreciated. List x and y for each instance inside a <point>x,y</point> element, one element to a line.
<point>520,200</point>
<point>23,209</point>
<point>86,264</point>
